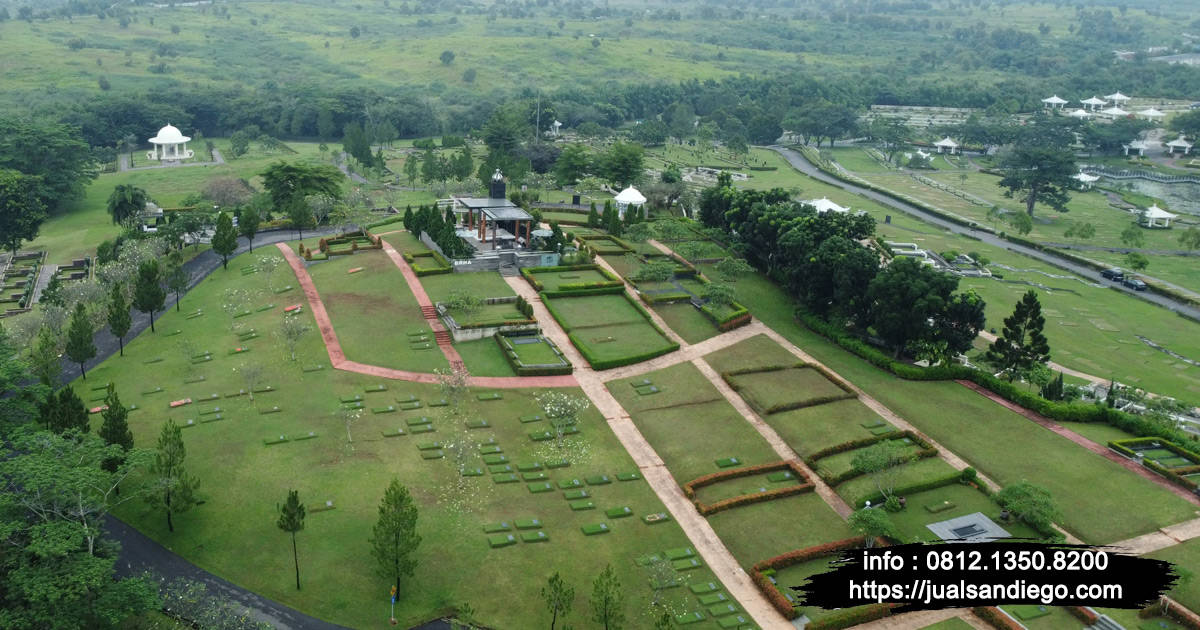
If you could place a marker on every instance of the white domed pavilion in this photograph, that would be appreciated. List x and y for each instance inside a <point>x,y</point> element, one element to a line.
<point>169,145</point>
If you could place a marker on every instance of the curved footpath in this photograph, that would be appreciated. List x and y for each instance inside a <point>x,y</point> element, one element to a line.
<point>801,163</point>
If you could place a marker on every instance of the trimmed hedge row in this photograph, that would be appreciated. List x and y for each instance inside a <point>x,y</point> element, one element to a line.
<point>851,617</point>
<point>788,559</point>
<point>605,364</point>
<point>521,369</point>
<point>1175,475</point>
<point>913,488</point>
<point>992,616</point>
<point>529,274</point>
<point>1083,614</point>
<point>1060,411</point>
<point>1175,611</point>
<point>781,407</point>
<point>740,316</point>
<point>395,218</point>
<point>656,298</point>
<point>442,265</point>
<point>690,488</point>
<point>926,451</point>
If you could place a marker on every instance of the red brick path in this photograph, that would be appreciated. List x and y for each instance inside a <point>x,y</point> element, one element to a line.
<point>337,358</point>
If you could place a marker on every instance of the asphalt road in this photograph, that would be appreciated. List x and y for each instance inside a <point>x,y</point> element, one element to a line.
<point>801,163</point>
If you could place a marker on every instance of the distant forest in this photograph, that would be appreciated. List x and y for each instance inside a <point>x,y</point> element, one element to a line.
<point>999,56</point>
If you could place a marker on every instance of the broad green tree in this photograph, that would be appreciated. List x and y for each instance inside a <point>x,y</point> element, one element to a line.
<point>731,268</point>
<point>224,240</point>
<point>559,598</point>
<point>177,278</point>
<point>394,539</point>
<point>58,566</point>
<point>1039,174</point>
<point>23,211</point>
<point>291,520</point>
<point>872,523</point>
<point>1136,261</point>
<point>622,164</point>
<point>1189,239</point>
<point>55,153</point>
<point>126,201</point>
<point>148,294</point>
<point>1132,236</point>
<point>80,346</point>
<point>171,489</point>
<point>572,164</point>
<point>119,319</point>
<point>248,221</point>
<point>910,303</point>
<point>608,600</point>
<point>293,181</point>
<point>1022,344</point>
<point>1029,502</point>
<point>882,462</point>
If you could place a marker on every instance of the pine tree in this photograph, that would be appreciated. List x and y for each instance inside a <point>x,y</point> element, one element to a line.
<point>291,520</point>
<point>64,411</point>
<point>1021,343</point>
<point>394,538</point>
<point>80,347</point>
<point>593,217</point>
<point>148,296</point>
<point>408,218</point>
<point>119,319</point>
<point>115,428</point>
<point>52,292</point>
<point>224,240</point>
<point>171,487</point>
<point>607,600</point>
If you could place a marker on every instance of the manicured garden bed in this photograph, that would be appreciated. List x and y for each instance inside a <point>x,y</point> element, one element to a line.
<point>609,330</point>
<point>782,390</point>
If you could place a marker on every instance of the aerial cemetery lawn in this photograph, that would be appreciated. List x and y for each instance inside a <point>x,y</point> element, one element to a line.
<point>339,437</point>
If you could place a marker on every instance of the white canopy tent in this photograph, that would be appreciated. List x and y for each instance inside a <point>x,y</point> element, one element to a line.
<point>1151,114</point>
<point>1157,217</point>
<point>1181,144</point>
<point>1117,98</point>
<point>1079,113</point>
<point>629,197</point>
<point>1094,102</point>
<point>1054,102</point>
<point>946,145</point>
<point>825,205</point>
<point>1114,112</point>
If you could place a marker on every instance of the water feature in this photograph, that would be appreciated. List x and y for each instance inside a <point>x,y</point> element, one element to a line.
<point>1181,197</point>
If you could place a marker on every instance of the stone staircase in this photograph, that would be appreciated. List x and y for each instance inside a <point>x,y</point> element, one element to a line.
<point>508,269</point>
<point>1106,623</point>
<point>429,312</point>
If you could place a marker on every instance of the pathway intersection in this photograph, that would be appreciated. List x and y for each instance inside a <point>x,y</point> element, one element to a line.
<point>696,527</point>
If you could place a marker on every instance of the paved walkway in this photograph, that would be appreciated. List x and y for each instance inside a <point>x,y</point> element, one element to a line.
<point>45,273</point>
<point>696,527</point>
<point>922,619</point>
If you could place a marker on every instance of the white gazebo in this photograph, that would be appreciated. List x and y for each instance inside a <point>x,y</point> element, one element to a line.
<point>1179,143</point>
<point>1117,98</point>
<point>1137,146</point>
<point>946,145</point>
<point>1114,112</point>
<point>169,145</point>
<point>1054,102</point>
<point>824,205</point>
<point>629,197</point>
<point>1151,114</point>
<point>1085,181</point>
<point>1094,103</point>
<point>1080,114</point>
<point>1157,217</point>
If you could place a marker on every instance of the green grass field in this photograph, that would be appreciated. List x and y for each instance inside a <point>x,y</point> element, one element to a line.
<point>687,321</point>
<point>373,311</point>
<point>552,280</point>
<point>689,424</point>
<point>792,386</point>
<point>764,530</point>
<point>234,535</point>
<point>607,327</point>
<point>983,433</point>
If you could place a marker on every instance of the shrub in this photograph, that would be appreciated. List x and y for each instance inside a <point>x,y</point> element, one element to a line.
<point>968,475</point>
<point>996,619</point>
<point>851,617</point>
<point>1083,614</point>
<point>323,245</point>
<point>790,558</point>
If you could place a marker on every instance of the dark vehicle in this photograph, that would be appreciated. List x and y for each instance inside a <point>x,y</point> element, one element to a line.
<point>1134,283</point>
<point>1116,275</point>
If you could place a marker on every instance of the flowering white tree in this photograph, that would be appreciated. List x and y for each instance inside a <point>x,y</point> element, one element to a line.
<point>562,410</point>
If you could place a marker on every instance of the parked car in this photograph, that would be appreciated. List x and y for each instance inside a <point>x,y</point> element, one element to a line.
<point>1134,283</point>
<point>1116,275</point>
